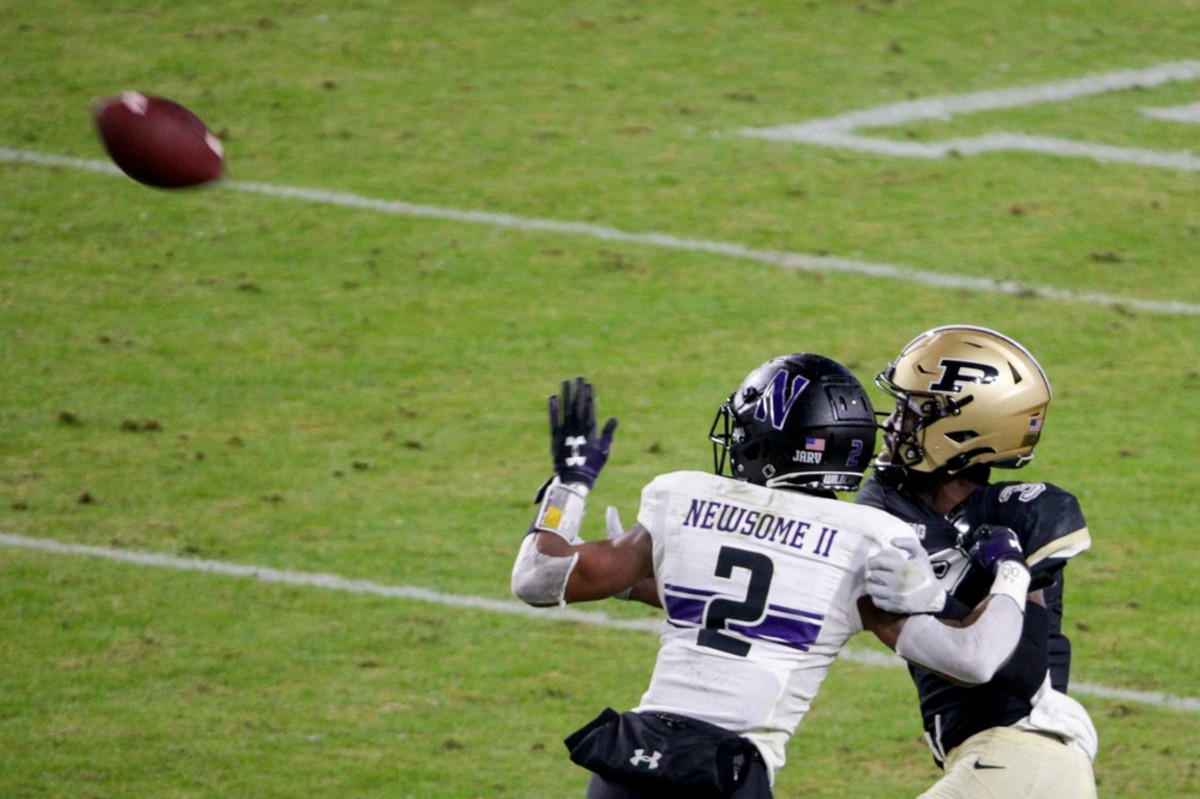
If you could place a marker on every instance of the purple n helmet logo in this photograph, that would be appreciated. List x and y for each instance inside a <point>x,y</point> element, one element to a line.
<point>776,402</point>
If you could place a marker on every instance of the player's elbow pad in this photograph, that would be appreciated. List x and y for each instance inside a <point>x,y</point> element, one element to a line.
<point>970,655</point>
<point>539,579</point>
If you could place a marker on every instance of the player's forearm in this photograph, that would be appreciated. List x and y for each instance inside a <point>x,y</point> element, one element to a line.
<point>550,571</point>
<point>971,654</point>
<point>646,592</point>
<point>542,570</point>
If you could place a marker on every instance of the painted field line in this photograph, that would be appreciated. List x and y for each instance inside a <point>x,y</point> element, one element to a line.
<point>334,582</point>
<point>783,259</point>
<point>841,131</point>
<point>1189,113</point>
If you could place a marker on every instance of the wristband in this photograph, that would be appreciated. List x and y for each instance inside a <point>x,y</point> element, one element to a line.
<point>1012,579</point>
<point>561,510</point>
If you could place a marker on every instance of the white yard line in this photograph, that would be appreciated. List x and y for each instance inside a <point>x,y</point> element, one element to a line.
<point>843,130</point>
<point>334,582</point>
<point>1180,113</point>
<point>783,259</point>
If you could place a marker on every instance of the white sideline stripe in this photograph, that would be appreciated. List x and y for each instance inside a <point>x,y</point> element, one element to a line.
<point>786,260</point>
<point>597,618</point>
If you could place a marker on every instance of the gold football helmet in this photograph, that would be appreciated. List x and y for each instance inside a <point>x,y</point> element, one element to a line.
<point>964,396</point>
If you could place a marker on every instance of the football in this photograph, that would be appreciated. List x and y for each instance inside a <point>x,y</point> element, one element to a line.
<point>158,142</point>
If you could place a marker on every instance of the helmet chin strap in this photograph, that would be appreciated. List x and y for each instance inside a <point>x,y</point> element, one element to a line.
<point>909,451</point>
<point>959,462</point>
<point>890,476</point>
<point>903,478</point>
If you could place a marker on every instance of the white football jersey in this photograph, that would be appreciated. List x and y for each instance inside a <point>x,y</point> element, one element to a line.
<point>761,591</point>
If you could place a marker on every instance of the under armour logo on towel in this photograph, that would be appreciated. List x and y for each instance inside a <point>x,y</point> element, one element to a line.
<point>640,756</point>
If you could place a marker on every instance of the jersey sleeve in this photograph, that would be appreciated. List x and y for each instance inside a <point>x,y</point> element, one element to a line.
<point>1048,520</point>
<point>656,499</point>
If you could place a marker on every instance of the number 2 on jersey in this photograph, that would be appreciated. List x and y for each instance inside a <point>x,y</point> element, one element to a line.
<point>721,611</point>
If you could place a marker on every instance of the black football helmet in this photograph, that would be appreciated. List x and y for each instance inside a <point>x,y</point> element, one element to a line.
<point>799,421</point>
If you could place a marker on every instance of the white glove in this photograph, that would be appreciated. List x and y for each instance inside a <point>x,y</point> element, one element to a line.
<point>901,580</point>
<point>612,523</point>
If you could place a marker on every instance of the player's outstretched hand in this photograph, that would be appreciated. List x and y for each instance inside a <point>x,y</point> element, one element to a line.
<point>989,545</point>
<point>901,580</point>
<point>579,454</point>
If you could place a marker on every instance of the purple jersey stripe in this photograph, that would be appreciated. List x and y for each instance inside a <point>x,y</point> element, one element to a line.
<point>782,627</point>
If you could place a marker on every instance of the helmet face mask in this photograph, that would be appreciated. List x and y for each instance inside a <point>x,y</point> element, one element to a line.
<point>798,421</point>
<point>965,396</point>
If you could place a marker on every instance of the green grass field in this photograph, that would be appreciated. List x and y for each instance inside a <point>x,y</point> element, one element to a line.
<point>318,384</point>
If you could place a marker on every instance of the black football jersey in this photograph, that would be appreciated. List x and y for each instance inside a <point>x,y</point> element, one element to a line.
<point>1051,529</point>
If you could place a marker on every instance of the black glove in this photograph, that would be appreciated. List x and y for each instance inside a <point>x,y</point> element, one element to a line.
<point>989,545</point>
<point>578,454</point>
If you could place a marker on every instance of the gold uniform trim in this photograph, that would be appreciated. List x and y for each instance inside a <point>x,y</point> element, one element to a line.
<point>1064,547</point>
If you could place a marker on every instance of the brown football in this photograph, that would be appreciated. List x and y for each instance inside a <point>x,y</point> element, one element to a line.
<point>158,142</point>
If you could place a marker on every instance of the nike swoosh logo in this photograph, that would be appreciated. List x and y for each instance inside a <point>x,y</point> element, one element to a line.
<point>980,765</point>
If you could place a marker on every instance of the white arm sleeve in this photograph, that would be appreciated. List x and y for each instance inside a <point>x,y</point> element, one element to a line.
<point>971,655</point>
<point>539,579</point>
